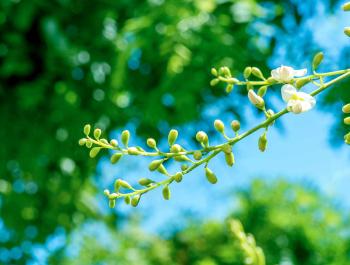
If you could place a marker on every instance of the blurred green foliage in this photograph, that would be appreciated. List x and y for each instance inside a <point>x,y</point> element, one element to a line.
<point>293,224</point>
<point>65,63</point>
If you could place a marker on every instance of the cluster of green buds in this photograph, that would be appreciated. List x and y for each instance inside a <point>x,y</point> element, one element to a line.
<point>346,110</point>
<point>291,83</point>
<point>253,254</point>
<point>346,7</point>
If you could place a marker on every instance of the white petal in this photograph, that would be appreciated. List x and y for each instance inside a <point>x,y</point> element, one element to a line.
<point>308,101</point>
<point>287,92</point>
<point>286,73</point>
<point>275,73</point>
<point>300,72</point>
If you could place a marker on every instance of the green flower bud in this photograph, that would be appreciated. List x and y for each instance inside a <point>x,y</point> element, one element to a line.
<point>176,148</point>
<point>94,151</point>
<point>97,133</point>
<point>347,138</point>
<point>151,143</point>
<point>302,82</point>
<point>214,72</point>
<point>121,183</point>
<point>161,169</point>
<point>197,155</point>
<point>256,71</point>
<point>346,108</point>
<point>211,177</point>
<point>262,91</point>
<point>114,143</point>
<point>106,192</point>
<point>166,192</point>
<point>346,6</point>
<point>155,164</point>
<point>133,151</point>
<point>87,129</point>
<point>219,126</point>
<point>125,137</point>
<point>347,120</point>
<point>115,157</point>
<point>178,177</point>
<point>262,143</point>
<point>113,196</point>
<point>135,200</point>
<point>229,88</point>
<point>145,181</point>
<point>247,72</point>
<point>225,71</point>
<point>82,141</point>
<point>230,159</point>
<point>184,167</point>
<point>214,81</point>
<point>88,143</point>
<point>104,141</point>
<point>318,58</point>
<point>260,256</point>
<point>347,31</point>
<point>235,125</point>
<point>172,136</point>
<point>202,137</point>
<point>181,158</point>
<point>227,149</point>
<point>111,203</point>
<point>127,199</point>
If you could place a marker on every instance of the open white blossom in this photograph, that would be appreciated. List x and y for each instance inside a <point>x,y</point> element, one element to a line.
<point>297,102</point>
<point>285,73</point>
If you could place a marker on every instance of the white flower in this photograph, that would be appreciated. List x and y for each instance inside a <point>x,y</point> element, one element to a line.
<point>255,99</point>
<point>297,102</point>
<point>285,74</point>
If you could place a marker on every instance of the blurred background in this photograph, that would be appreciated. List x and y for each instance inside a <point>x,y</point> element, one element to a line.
<point>145,65</point>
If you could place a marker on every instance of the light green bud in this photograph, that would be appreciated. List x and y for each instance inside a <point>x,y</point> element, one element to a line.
<point>178,177</point>
<point>104,141</point>
<point>94,151</point>
<point>346,108</point>
<point>88,143</point>
<point>115,157</point>
<point>347,138</point>
<point>133,151</point>
<point>227,149</point>
<point>87,129</point>
<point>230,159</point>
<point>111,203</point>
<point>260,256</point>
<point>181,158</point>
<point>155,164</point>
<point>135,200</point>
<point>214,81</point>
<point>235,125</point>
<point>346,6</point>
<point>219,126</point>
<point>262,143</point>
<point>113,196</point>
<point>262,91</point>
<point>229,88</point>
<point>184,167</point>
<point>172,136</point>
<point>161,169</point>
<point>176,148</point>
<point>125,137</point>
<point>247,72</point>
<point>347,31</point>
<point>145,181</point>
<point>114,143</point>
<point>127,199</point>
<point>211,177</point>
<point>151,143</point>
<point>302,82</point>
<point>121,183</point>
<point>257,72</point>
<point>225,71</point>
<point>197,155</point>
<point>106,192</point>
<point>318,58</point>
<point>202,137</point>
<point>214,72</point>
<point>166,192</point>
<point>97,133</point>
<point>347,121</point>
<point>82,141</point>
